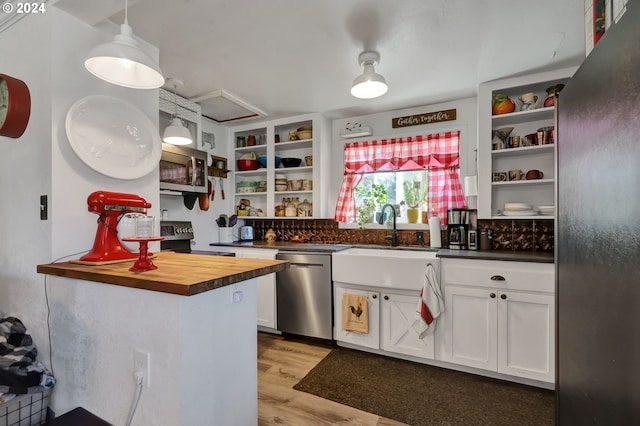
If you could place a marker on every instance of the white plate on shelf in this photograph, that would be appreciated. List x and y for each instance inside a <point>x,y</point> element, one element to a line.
<point>547,212</point>
<point>113,137</point>
<point>520,213</point>
<point>517,207</point>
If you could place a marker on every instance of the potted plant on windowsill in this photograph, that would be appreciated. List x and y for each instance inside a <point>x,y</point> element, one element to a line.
<point>365,212</point>
<point>412,198</point>
<point>379,195</point>
<point>373,198</point>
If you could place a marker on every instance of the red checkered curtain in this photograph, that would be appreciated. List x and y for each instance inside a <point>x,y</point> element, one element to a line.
<point>438,153</point>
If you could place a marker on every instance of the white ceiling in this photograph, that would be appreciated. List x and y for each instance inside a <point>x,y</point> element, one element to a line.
<point>288,57</point>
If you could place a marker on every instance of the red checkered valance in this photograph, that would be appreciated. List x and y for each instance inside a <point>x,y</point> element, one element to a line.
<point>413,153</point>
<point>438,153</point>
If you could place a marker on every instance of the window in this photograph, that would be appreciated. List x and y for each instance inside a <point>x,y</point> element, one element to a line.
<point>422,171</point>
<point>402,190</point>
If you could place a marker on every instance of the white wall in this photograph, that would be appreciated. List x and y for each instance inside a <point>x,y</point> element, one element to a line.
<point>204,226</point>
<point>73,226</point>
<point>92,365</point>
<point>466,122</point>
<point>25,174</point>
<point>79,352</point>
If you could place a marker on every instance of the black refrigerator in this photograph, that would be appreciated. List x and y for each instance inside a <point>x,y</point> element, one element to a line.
<point>598,233</point>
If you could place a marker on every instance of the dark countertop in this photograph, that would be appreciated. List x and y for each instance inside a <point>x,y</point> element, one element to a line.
<point>388,247</point>
<point>513,256</point>
<point>285,246</point>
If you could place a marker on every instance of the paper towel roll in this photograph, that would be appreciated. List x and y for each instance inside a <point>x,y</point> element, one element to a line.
<point>434,232</point>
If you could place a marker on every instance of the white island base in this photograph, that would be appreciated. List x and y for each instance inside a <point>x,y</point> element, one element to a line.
<point>202,348</point>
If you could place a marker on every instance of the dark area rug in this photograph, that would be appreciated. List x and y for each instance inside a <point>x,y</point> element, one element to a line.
<point>422,395</point>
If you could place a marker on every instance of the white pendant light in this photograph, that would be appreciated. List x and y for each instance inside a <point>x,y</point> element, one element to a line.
<point>122,62</point>
<point>369,85</point>
<point>175,133</point>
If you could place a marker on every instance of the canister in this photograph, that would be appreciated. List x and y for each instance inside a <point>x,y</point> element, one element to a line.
<point>246,233</point>
<point>486,239</point>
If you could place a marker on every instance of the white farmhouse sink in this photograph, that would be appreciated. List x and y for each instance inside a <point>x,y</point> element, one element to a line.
<point>400,269</point>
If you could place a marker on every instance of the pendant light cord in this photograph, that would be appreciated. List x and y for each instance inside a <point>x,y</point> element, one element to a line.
<point>126,12</point>
<point>175,99</point>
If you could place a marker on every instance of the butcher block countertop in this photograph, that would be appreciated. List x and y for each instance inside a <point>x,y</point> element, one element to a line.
<point>177,273</point>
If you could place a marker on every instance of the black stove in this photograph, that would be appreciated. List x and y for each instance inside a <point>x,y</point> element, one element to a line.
<point>178,237</point>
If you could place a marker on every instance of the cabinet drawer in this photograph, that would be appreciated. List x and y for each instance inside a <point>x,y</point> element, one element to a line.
<point>526,276</point>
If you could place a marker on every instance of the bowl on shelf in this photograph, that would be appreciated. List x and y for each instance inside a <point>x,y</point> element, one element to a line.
<point>291,162</point>
<point>262,159</point>
<point>244,165</point>
<point>246,186</point>
<point>503,133</point>
<point>304,134</point>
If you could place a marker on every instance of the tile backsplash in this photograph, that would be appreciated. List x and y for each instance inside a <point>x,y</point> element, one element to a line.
<point>521,234</point>
<point>511,235</point>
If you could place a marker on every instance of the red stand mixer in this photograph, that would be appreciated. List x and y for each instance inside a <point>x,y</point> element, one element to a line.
<point>110,206</point>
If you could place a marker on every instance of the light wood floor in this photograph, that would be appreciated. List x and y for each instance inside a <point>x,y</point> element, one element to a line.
<point>281,364</point>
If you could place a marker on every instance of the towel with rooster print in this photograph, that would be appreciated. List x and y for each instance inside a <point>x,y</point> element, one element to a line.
<point>355,313</point>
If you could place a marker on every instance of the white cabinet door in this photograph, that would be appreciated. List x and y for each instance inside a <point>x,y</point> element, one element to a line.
<point>266,288</point>
<point>370,340</point>
<point>267,301</point>
<point>469,327</point>
<point>397,327</point>
<point>526,335</point>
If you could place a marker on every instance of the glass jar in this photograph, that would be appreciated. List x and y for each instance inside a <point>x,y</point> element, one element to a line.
<point>241,142</point>
<point>304,209</point>
<point>290,209</point>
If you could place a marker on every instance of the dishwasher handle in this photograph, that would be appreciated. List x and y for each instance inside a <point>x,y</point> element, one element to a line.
<point>305,265</point>
<point>304,253</point>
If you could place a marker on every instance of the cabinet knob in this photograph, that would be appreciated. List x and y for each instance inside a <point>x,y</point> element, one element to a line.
<point>503,296</point>
<point>386,297</point>
<point>374,296</point>
<point>497,278</point>
<point>492,295</point>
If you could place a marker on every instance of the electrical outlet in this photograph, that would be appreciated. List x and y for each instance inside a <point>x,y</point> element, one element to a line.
<point>142,363</point>
<point>420,237</point>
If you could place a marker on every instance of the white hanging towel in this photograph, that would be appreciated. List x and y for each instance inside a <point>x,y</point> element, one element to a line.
<point>431,303</point>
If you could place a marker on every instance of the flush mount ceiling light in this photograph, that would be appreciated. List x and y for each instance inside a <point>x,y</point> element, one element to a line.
<point>122,62</point>
<point>175,133</point>
<point>370,84</point>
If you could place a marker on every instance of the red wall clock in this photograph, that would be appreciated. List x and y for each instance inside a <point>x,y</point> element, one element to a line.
<point>15,106</point>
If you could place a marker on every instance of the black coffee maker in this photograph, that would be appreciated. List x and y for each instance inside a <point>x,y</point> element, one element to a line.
<point>462,225</point>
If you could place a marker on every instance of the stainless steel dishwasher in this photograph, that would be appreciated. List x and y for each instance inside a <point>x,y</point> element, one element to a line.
<point>304,294</point>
